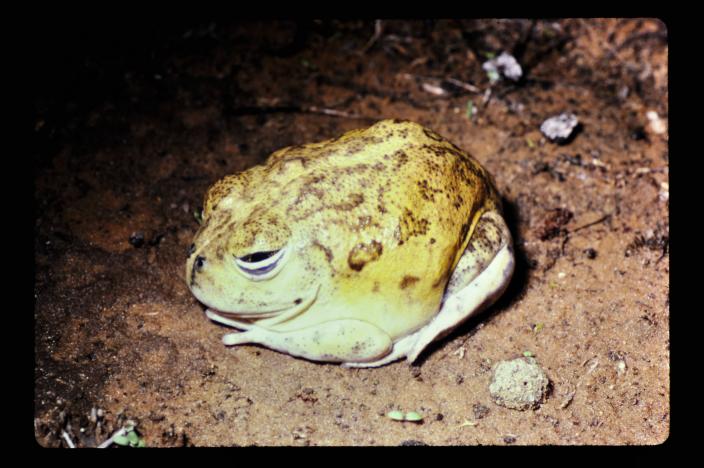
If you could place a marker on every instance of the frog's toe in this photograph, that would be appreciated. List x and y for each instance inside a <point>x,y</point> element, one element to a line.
<point>234,339</point>
<point>401,349</point>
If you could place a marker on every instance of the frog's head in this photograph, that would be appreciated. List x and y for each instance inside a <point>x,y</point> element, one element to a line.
<point>244,260</point>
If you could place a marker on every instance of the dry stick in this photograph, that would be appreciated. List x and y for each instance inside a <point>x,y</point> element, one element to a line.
<point>68,440</point>
<point>377,33</point>
<point>567,237</point>
<point>486,97</point>
<point>333,112</point>
<point>117,434</point>
<point>462,84</point>
<point>600,220</point>
<point>296,109</point>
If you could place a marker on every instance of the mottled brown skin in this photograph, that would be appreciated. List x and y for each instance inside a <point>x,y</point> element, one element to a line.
<point>378,219</point>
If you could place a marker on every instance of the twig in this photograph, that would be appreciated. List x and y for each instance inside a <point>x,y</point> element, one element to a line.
<point>486,97</point>
<point>644,36</point>
<point>600,220</point>
<point>462,84</point>
<point>336,113</point>
<point>564,243</point>
<point>378,29</point>
<point>117,434</point>
<point>438,82</point>
<point>568,399</point>
<point>251,110</point>
<point>68,440</point>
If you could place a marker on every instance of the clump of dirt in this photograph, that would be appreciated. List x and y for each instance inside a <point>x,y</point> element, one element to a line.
<point>553,224</point>
<point>519,384</point>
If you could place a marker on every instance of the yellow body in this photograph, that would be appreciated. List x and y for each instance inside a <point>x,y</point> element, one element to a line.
<point>373,224</point>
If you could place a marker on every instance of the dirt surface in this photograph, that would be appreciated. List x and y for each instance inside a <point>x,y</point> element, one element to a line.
<point>129,135</point>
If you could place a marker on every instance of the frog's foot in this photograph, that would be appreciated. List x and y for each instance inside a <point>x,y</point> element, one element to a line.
<point>335,341</point>
<point>401,349</point>
<point>479,278</point>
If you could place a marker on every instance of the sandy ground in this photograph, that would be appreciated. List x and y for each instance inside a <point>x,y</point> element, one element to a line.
<point>127,142</point>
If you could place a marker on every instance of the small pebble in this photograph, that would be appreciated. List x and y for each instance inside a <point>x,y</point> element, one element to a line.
<point>137,239</point>
<point>656,124</point>
<point>638,133</point>
<point>559,128</point>
<point>479,410</point>
<point>412,443</point>
<point>590,253</point>
<point>506,65</point>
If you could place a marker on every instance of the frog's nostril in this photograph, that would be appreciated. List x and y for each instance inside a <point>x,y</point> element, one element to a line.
<point>200,261</point>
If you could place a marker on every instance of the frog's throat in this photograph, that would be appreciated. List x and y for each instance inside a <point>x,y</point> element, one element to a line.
<point>279,317</point>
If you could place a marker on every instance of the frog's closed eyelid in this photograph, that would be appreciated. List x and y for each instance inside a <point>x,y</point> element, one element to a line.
<point>258,256</point>
<point>260,265</point>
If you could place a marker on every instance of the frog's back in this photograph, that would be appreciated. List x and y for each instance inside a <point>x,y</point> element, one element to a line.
<point>391,207</point>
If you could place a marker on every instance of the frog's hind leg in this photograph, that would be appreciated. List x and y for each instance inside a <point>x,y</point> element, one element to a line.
<point>479,279</point>
<point>346,340</point>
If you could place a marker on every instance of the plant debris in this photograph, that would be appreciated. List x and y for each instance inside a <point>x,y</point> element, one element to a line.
<point>657,240</point>
<point>553,225</point>
<point>410,416</point>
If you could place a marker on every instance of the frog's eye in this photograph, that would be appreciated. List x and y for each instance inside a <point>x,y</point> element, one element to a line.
<point>259,266</point>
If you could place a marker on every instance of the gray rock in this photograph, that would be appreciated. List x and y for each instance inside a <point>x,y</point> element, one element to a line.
<point>559,128</point>
<point>506,65</point>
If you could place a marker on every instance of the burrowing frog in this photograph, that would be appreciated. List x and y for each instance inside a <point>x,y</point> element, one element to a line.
<point>360,250</point>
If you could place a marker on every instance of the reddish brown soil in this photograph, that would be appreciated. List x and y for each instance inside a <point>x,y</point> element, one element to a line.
<point>116,328</point>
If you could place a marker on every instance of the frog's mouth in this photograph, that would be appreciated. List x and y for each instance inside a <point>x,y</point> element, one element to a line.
<point>265,319</point>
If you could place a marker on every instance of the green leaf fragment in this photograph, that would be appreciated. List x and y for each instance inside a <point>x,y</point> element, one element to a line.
<point>121,440</point>
<point>412,416</point>
<point>395,415</point>
<point>141,443</point>
<point>470,109</point>
<point>528,354</point>
<point>132,437</point>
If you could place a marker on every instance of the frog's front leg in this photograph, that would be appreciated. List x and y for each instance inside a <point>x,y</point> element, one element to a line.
<point>335,341</point>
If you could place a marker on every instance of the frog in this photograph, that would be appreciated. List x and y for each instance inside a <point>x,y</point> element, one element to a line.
<point>359,250</point>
